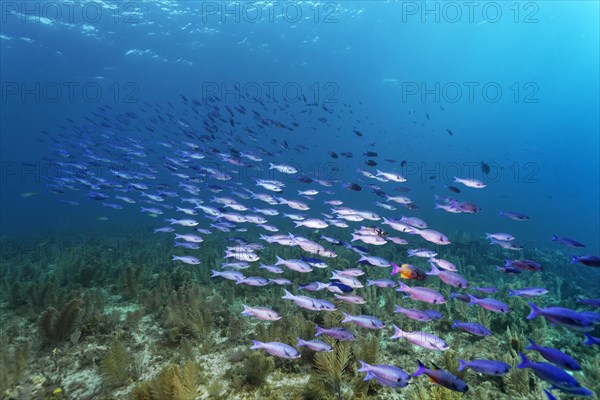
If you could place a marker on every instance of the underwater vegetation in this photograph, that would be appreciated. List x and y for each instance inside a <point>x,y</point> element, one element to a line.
<point>143,328</point>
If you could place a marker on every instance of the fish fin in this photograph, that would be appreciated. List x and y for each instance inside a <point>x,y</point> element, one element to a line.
<point>435,366</point>
<point>363,366</point>
<point>398,333</point>
<point>246,310</point>
<point>370,375</point>
<point>395,269</point>
<point>524,361</point>
<point>319,331</point>
<point>535,311</point>
<point>347,317</point>
<point>574,259</point>
<point>421,370</point>
<point>257,345</point>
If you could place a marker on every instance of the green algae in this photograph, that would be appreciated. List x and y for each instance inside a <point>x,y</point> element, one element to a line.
<point>75,305</point>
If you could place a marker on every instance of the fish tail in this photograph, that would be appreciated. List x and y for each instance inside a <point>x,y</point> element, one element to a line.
<point>574,259</point>
<point>524,361</point>
<point>214,273</point>
<point>532,345</point>
<point>354,237</point>
<point>347,317</point>
<point>370,375</point>
<point>590,340</point>
<point>300,342</point>
<point>398,333</point>
<point>174,258</point>
<point>434,269</point>
<point>395,269</point>
<point>472,300</point>
<point>257,345</point>
<point>288,295</point>
<point>246,310</point>
<point>364,367</point>
<point>271,166</point>
<point>462,364</point>
<point>421,370</point>
<point>554,238</point>
<point>279,260</point>
<point>512,292</point>
<point>455,323</point>
<point>535,311</point>
<point>319,331</point>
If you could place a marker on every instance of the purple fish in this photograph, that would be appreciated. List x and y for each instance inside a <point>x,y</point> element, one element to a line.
<point>568,242</point>
<point>524,265</point>
<point>280,281</point>
<point>473,328</point>
<point>590,261</point>
<point>186,259</point>
<point>276,349</point>
<point>262,313</point>
<point>423,339</point>
<point>419,315</point>
<point>487,367</point>
<point>252,281</point>
<point>448,277</point>
<point>315,345</point>
<point>309,303</point>
<point>489,304</point>
<point>562,316</point>
<point>460,296</point>
<point>228,274</point>
<point>313,287</point>
<point>364,321</point>
<point>187,245</point>
<point>422,293</point>
<point>515,216</point>
<point>527,292</point>
<point>549,373</point>
<point>336,333</point>
<point>387,375</point>
<point>555,356</point>
<point>442,378</point>
<point>382,283</point>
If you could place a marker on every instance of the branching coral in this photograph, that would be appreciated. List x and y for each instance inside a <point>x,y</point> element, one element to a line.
<point>172,383</point>
<point>55,326</point>
<point>330,368</point>
<point>115,365</point>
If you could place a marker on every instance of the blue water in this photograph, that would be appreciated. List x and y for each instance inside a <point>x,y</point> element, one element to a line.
<point>542,131</point>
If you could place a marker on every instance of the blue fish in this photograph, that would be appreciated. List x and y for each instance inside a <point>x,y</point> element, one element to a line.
<point>555,356</point>
<point>568,242</point>
<point>549,373</point>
